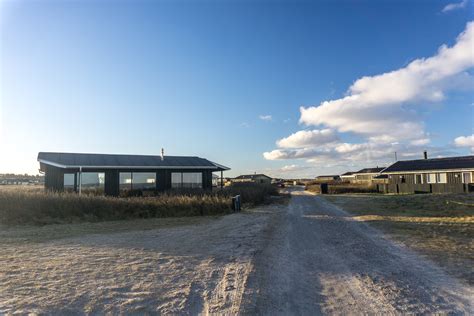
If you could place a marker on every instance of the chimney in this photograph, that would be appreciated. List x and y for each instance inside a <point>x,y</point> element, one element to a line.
<point>162,154</point>
<point>425,154</point>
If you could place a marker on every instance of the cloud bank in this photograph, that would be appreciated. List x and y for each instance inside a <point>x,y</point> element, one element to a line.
<point>382,110</point>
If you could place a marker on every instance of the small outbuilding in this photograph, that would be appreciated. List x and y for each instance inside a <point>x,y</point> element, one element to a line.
<point>116,173</point>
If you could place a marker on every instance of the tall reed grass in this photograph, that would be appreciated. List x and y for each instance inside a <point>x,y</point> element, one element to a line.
<point>40,207</point>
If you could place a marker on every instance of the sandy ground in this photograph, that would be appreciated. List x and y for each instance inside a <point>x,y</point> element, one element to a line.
<point>303,258</point>
<point>198,266</point>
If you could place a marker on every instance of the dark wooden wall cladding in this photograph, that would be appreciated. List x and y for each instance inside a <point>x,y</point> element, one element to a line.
<point>409,188</point>
<point>54,178</point>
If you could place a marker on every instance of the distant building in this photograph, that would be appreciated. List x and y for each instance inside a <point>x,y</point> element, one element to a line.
<point>366,175</point>
<point>438,175</point>
<point>348,176</point>
<point>328,178</point>
<point>254,178</point>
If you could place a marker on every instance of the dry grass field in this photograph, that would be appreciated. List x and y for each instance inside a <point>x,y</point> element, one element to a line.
<point>28,205</point>
<point>439,227</point>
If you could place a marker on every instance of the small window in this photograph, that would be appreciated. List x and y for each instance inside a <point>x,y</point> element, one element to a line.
<point>418,179</point>
<point>402,179</point>
<point>466,177</point>
<point>69,181</point>
<point>432,178</point>
<point>441,178</point>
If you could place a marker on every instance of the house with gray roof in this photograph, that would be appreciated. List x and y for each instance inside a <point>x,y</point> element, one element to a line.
<point>436,175</point>
<point>113,173</point>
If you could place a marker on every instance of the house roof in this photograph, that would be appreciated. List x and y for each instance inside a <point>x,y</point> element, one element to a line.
<point>464,162</point>
<point>369,170</point>
<point>328,176</point>
<point>251,176</point>
<point>76,160</point>
<point>349,173</point>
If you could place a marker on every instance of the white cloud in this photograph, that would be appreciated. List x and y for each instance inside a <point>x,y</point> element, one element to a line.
<point>383,105</point>
<point>420,142</point>
<point>454,6</point>
<point>464,141</point>
<point>303,139</point>
<point>265,117</point>
<point>382,110</point>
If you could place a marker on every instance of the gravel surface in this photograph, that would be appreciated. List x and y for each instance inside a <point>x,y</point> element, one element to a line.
<point>317,260</point>
<point>307,257</point>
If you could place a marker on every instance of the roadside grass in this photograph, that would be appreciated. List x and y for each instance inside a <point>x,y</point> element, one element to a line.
<point>33,206</point>
<point>439,227</point>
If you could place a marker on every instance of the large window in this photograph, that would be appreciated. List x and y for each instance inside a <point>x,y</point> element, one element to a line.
<point>125,181</point>
<point>92,181</point>
<point>186,180</point>
<point>144,180</point>
<point>137,181</point>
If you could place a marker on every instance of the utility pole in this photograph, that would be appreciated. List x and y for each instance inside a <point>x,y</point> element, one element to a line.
<point>396,157</point>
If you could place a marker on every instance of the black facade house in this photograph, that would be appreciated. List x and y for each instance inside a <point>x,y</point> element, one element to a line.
<point>259,178</point>
<point>437,175</point>
<point>118,173</point>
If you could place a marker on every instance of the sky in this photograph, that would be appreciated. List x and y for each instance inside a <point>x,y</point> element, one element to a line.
<point>286,88</point>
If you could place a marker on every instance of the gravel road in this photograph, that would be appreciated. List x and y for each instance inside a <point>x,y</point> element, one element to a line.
<point>304,257</point>
<point>316,260</point>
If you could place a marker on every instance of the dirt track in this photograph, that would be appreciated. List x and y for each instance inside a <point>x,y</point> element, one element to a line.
<point>317,260</point>
<point>308,257</point>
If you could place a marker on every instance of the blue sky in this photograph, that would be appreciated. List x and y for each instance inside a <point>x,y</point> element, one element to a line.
<point>225,80</point>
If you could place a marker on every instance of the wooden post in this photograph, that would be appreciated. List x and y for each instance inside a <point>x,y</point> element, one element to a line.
<point>222,179</point>
<point>80,180</point>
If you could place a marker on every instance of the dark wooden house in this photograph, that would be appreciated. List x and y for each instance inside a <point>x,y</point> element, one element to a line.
<point>116,173</point>
<point>254,178</point>
<point>437,175</point>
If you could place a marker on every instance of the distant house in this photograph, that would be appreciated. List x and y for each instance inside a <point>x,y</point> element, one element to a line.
<point>366,175</point>
<point>328,178</point>
<point>254,178</point>
<point>380,179</point>
<point>437,175</point>
<point>113,174</point>
<point>348,176</point>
